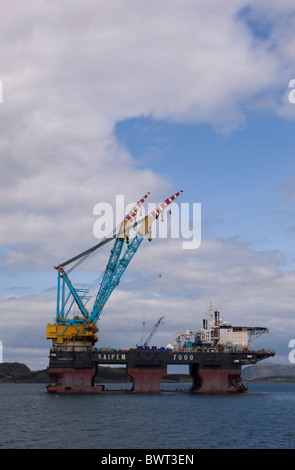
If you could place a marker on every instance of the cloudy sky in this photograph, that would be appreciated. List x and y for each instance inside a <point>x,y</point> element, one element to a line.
<point>102,98</point>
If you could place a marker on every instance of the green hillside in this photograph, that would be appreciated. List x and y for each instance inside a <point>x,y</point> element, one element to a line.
<point>266,371</point>
<point>14,372</point>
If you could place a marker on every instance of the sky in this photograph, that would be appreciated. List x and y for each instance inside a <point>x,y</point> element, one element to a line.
<point>101,99</point>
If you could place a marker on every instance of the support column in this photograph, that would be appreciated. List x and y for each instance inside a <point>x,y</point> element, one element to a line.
<point>216,381</point>
<point>146,379</point>
<point>70,380</point>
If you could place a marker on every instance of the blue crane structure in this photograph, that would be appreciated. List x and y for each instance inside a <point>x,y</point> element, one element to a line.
<point>82,328</point>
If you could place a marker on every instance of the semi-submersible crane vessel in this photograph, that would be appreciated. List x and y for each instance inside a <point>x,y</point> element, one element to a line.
<point>214,353</point>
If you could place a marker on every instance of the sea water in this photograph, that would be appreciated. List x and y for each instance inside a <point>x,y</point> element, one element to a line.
<point>262,418</point>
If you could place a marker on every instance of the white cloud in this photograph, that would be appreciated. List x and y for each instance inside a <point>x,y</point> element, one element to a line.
<point>71,70</point>
<point>248,287</point>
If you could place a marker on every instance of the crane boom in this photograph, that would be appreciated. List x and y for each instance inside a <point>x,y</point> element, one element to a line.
<point>103,293</point>
<point>82,328</point>
<point>127,219</point>
<point>151,334</point>
<point>133,246</point>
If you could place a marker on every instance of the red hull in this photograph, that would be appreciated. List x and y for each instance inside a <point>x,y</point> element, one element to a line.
<point>218,381</point>
<point>67,380</point>
<point>146,379</point>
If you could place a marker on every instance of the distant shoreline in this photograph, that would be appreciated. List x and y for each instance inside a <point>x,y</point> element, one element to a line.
<point>15,372</point>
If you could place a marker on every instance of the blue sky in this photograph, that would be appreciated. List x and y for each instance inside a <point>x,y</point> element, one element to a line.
<point>125,97</point>
<point>238,178</point>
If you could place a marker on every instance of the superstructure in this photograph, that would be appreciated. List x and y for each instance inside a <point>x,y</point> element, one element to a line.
<point>215,353</point>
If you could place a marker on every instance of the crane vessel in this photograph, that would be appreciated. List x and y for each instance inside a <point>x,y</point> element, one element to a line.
<point>214,353</point>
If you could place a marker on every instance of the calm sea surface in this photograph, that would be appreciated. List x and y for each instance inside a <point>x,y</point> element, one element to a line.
<point>262,418</point>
